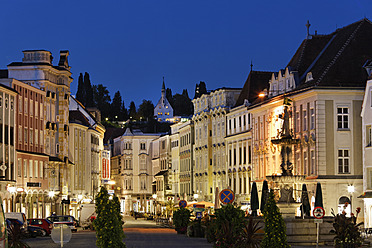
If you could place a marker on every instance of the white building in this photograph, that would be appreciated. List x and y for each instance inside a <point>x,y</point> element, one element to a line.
<point>163,111</point>
<point>134,176</point>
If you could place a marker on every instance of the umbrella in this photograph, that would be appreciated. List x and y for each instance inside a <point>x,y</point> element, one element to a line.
<point>318,196</point>
<point>254,199</point>
<point>264,196</point>
<point>305,208</point>
<point>216,199</point>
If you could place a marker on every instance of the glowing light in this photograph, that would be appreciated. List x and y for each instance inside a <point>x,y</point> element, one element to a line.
<point>262,94</point>
<point>350,188</point>
<point>51,194</point>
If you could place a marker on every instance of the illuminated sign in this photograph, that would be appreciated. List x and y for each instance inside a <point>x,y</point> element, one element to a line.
<point>106,165</point>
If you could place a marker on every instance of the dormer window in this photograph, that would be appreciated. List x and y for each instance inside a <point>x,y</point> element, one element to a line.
<point>309,77</point>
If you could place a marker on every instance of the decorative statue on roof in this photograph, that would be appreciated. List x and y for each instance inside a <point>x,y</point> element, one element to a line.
<point>286,132</point>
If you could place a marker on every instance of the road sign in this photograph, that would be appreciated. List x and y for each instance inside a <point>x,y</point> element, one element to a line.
<point>227,196</point>
<point>182,203</point>
<point>318,213</point>
<point>198,215</point>
<point>318,220</point>
<point>61,233</point>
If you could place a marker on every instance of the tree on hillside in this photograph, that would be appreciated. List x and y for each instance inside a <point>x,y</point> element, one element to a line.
<point>182,105</point>
<point>200,89</point>
<point>146,110</point>
<point>88,91</point>
<point>118,111</point>
<point>102,99</point>
<point>132,110</point>
<point>169,96</point>
<point>81,93</point>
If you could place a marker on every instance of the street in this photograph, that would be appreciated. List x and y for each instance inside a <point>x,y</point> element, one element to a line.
<point>139,233</point>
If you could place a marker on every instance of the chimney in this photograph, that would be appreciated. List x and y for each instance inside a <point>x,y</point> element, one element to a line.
<point>63,61</point>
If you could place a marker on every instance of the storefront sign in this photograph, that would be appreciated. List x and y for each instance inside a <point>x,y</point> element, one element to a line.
<point>106,165</point>
<point>30,184</point>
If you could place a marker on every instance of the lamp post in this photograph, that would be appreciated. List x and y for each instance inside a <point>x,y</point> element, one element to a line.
<point>154,196</point>
<point>51,195</point>
<point>351,189</point>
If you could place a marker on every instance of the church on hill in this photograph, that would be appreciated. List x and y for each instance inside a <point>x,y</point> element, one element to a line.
<point>163,111</point>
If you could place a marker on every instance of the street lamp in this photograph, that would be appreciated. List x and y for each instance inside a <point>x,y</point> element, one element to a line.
<point>351,189</point>
<point>196,196</point>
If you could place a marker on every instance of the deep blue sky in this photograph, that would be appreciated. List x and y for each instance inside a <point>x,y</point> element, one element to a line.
<point>129,45</point>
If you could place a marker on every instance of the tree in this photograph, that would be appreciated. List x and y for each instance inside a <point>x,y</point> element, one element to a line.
<point>108,224</point>
<point>275,229</point>
<point>117,107</point>
<point>88,91</point>
<point>132,110</point>
<point>81,93</point>
<point>102,99</point>
<point>200,89</point>
<point>169,96</point>
<point>182,105</point>
<point>146,110</point>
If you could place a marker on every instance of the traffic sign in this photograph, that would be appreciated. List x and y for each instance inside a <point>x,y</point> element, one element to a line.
<point>318,213</point>
<point>182,203</point>
<point>227,196</point>
<point>318,220</point>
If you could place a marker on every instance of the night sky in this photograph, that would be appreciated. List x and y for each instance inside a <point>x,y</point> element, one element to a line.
<point>130,45</point>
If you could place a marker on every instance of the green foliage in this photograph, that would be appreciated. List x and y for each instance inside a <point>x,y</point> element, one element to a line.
<point>108,224</point>
<point>146,110</point>
<point>229,223</point>
<point>102,99</point>
<point>15,237</point>
<point>248,237</point>
<point>347,231</point>
<point>275,229</point>
<point>181,217</point>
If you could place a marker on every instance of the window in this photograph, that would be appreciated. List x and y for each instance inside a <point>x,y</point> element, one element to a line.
<point>306,165</point>
<point>312,119</point>
<point>342,118</point>
<point>30,168</point>
<point>234,156</point>
<point>20,134</point>
<point>25,168</point>
<point>143,162</point>
<point>19,104</point>
<point>312,165</point>
<point>41,167</point>
<point>297,121</point>
<point>36,109</point>
<point>26,135</point>
<point>244,155</point>
<point>31,136</point>
<point>36,168</point>
<point>230,157</point>
<point>26,108</point>
<point>343,161</point>
<point>31,107</point>
<point>304,120</point>
<point>240,121</point>
<point>368,135</point>
<point>36,137</point>
<point>143,146</point>
<point>19,169</point>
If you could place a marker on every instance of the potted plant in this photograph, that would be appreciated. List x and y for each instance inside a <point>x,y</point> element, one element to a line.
<point>346,230</point>
<point>181,219</point>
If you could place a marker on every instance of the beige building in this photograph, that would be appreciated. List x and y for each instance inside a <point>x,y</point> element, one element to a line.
<point>209,131</point>
<point>8,160</point>
<point>309,121</point>
<point>37,70</point>
<point>134,175</point>
<point>86,154</point>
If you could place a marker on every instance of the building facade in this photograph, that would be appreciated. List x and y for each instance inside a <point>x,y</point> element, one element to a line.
<point>134,174</point>
<point>209,131</point>
<point>163,110</point>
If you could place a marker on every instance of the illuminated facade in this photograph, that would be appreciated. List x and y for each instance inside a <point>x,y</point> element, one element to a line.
<point>163,111</point>
<point>209,131</point>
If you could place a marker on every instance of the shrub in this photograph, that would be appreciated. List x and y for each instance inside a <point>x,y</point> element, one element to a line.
<point>181,217</point>
<point>275,230</point>
<point>229,225</point>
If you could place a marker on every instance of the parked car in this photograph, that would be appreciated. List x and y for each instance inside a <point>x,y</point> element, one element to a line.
<point>21,217</point>
<point>64,219</point>
<point>45,224</point>
<point>35,231</point>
